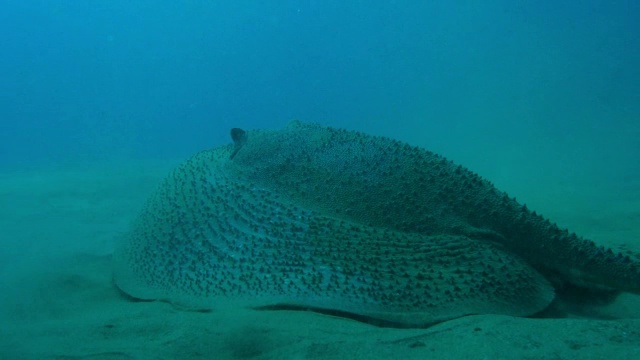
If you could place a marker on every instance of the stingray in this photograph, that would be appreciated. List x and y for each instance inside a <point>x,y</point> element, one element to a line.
<point>321,218</point>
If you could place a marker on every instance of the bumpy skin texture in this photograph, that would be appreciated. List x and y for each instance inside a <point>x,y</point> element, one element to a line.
<point>325,218</point>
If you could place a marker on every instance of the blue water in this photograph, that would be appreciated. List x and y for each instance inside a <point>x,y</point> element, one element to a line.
<point>519,83</point>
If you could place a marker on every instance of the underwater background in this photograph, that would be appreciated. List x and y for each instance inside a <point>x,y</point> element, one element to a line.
<point>99,99</point>
<point>93,81</point>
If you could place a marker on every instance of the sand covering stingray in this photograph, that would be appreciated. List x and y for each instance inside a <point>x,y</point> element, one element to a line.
<point>326,218</point>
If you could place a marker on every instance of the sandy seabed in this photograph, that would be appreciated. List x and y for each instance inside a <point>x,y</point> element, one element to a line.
<point>57,301</point>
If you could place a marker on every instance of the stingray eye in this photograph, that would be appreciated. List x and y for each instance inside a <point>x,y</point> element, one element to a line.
<point>238,136</point>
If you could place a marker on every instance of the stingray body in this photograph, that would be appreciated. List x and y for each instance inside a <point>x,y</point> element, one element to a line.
<point>323,218</point>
